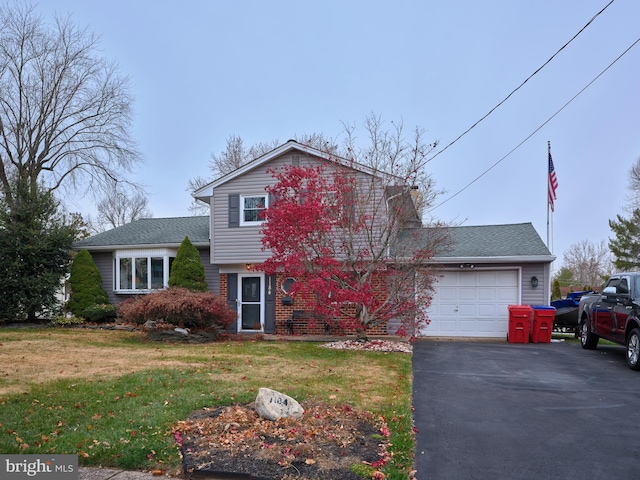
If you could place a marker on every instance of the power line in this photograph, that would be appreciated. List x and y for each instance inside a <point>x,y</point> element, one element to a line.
<point>537,129</point>
<point>520,86</point>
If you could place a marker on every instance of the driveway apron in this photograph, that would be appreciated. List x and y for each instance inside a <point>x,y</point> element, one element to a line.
<point>495,411</point>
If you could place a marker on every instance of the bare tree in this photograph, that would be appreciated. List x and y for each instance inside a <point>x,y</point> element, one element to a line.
<point>65,112</point>
<point>387,150</point>
<point>590,263</point>
<point>633,198</point>
<point>119,208</point>
<point>236,155</point>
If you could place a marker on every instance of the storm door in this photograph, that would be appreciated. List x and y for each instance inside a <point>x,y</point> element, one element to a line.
<point>250,297</point>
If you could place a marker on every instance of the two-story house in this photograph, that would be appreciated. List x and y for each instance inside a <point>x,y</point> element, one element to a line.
<point>486,269</point>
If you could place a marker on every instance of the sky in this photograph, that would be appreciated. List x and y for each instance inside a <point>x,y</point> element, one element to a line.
<point>202,71</point>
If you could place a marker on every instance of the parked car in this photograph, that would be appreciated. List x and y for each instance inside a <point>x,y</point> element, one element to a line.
<point>614,315</point>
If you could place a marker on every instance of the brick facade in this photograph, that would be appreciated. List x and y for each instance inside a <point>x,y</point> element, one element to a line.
<point>285,312</point>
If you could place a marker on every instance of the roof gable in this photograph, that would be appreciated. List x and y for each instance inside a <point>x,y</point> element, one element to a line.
<point>205,192</point>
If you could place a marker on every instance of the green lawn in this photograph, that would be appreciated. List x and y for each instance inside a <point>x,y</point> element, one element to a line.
<point>112,397</point>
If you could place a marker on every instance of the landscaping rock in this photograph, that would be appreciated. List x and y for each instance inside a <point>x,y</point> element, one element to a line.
<point>273,405</point>
<point>149,325</point>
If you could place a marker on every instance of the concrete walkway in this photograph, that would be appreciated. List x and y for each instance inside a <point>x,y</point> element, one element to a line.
<point>91,473</point>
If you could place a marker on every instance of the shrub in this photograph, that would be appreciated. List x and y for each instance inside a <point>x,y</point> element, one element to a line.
<point>180,307</point>
<point>104,312</point>
<point>86,284</point>
<point>63,321</point>
<point>187,270</point>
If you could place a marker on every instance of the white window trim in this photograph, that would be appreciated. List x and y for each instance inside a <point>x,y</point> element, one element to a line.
<point>243,222</point>
<point>163,253</point>
<point>262,301</point>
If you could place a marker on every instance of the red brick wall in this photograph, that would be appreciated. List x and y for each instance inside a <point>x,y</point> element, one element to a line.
<point>284,312</point>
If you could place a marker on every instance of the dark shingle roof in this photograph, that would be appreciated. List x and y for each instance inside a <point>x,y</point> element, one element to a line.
<point>468,242</point>
<point>490,241</point>
<point>151,232</point>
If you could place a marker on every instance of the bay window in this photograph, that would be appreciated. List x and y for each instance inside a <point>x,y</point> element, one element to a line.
<point>142,271</point>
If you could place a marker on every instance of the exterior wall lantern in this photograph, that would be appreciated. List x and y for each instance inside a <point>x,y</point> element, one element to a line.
<point>534,281</point>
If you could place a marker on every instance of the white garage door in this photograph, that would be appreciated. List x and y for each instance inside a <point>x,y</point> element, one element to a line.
<point>472,304</point>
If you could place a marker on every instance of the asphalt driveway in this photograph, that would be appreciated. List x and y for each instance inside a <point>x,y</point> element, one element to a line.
<point>495,411</point>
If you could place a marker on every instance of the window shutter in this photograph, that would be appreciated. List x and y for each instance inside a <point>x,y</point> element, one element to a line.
<point>232,298</point>
<point>234,210</point>
<point>270,305</point>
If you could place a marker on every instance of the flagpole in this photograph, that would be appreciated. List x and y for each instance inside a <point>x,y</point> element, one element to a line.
<point>548,205</point>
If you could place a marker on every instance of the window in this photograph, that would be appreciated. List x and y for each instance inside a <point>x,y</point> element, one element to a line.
<point>253,209</point>
<point>142,271</point>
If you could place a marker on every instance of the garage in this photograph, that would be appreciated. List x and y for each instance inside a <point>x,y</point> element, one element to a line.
<point>473,303</point>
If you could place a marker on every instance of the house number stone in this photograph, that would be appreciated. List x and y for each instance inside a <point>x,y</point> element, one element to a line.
<point>274,405</point>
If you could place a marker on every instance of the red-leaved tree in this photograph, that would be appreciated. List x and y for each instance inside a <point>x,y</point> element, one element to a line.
<point>352,238</point>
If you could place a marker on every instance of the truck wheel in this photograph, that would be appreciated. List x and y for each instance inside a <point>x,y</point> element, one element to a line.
<point>633,349</point>
<point>588,340</point>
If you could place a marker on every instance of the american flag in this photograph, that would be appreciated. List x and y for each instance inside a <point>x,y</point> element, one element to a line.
<point>553,183</point>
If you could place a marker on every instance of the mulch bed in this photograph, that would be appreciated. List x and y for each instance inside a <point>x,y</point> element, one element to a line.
<point>234,442</point>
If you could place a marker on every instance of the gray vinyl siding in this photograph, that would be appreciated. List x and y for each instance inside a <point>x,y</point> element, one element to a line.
<point>104,262</point>
<point>243,244</point>
<point>211,272</point>
<point>538,295</point>
<point>239,244</point>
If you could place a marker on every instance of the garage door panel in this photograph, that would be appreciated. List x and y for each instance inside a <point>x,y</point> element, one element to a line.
<point>486,325</point>
<point>467,281</point>
<point>473,303</point>
<point>467,293</point>
<point>487,311</point>
<point>447,310</point>
<point>506,295</point>
<point>505,278</point>
<point>449,326</point>
<point>467,310</point>
<point>447,293</point>
<point>487,294</point>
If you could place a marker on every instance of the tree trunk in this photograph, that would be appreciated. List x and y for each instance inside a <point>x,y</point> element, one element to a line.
<point>361,334</point>
<point>362,315</point>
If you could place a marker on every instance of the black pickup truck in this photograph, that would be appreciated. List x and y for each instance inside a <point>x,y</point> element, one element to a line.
<point>614,315</point>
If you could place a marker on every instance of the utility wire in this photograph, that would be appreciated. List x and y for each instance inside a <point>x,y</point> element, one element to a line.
<point>520,86</point>
<point>537,129</point>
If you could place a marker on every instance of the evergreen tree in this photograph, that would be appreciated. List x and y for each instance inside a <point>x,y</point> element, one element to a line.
<point>555,291</point>
<point>187,270</point>
<point>35,245</point>
<point>565,277</point>
<point>86,284</point>
<point>626,244</point>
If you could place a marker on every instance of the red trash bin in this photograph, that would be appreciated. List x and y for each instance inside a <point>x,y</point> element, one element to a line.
<point>519,323</point>
<point>542,324</point>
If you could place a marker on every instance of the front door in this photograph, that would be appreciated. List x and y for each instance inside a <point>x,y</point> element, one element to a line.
<point>250,295</point>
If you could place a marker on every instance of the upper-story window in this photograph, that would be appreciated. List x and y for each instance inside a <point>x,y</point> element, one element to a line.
<point>252,209</point>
